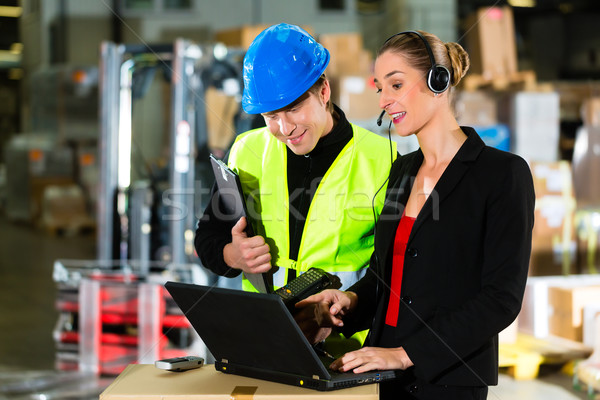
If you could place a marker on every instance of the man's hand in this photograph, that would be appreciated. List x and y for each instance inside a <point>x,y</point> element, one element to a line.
<point>334,304</point>
<point>251,255</point>
<point>310,319</point>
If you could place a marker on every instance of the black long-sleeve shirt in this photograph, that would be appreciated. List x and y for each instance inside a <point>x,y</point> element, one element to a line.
<point>304,173</point>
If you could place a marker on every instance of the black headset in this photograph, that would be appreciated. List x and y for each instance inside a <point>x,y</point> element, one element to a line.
<point>438,76</point>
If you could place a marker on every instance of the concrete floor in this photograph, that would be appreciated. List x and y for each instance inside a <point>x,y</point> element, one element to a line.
<point>28,316</point>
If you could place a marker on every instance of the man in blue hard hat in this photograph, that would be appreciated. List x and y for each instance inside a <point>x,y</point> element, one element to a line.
<point>316,181</point>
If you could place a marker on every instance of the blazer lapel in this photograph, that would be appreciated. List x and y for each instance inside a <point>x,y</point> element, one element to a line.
<point>396,200</point>
<point>459,165</point>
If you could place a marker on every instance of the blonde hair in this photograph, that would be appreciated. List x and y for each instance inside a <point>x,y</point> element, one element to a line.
<point>451,55</point>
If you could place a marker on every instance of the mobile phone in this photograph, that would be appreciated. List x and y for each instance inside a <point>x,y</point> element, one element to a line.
<point>310,282</point>
<point>178,364</point>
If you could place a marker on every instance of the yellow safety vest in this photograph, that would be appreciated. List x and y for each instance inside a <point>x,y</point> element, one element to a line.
<point>338,232</point>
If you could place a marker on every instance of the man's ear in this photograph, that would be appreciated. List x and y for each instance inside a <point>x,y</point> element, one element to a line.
<point>325,93</point>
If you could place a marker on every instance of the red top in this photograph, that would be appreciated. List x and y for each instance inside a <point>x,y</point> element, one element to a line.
<point>400,242</point>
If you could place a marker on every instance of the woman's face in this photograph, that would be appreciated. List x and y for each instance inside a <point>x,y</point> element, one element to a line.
<point>301,126</point>
<point>403,93</point>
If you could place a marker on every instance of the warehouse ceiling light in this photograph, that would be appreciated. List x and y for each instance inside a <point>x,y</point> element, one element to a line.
<point>8,11</point>
<point>522,3</point>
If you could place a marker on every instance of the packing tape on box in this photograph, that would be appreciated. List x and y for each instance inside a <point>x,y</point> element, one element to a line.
<point>243,392</point>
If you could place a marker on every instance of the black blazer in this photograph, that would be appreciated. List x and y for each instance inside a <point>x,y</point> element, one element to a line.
<point>465,266</point>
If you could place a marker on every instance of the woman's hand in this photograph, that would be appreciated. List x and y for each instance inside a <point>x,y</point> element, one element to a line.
<point>373,358</point>
<point>251,255</point>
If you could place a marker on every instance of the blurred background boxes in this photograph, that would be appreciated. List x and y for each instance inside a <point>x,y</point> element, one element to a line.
<point>476,108</point>
<point>567,304</point>
<point>221,109</point>
<point>357,96</point>
<point>591,325</point>
<point>242,36</point>
<point>553,243</point>
<point>348,56</point>
<point>239,36</point>
<point>490,39</point>
<point>537,308</point>
<point>534,119</point>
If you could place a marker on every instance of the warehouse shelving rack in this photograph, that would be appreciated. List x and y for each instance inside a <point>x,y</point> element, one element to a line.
<point>113,315</point>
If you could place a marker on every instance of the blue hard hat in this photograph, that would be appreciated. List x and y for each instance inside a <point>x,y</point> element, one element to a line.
<point>281,64</point>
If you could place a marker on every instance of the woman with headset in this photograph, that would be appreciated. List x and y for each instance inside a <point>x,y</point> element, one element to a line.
<point>452,243</point>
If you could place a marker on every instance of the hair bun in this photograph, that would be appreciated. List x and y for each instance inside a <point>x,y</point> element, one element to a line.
<point>459,60</point>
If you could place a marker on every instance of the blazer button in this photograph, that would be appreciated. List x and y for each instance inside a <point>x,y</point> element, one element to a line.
<point>412,252</point>
<point>407,300</point>
<point>414,389</point>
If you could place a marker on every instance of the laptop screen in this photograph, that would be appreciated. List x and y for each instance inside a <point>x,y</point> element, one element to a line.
<point>250,329</point>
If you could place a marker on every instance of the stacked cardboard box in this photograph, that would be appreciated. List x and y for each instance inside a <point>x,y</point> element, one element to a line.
<point>242,36</point>
<point>534,118</point>
<point>553,244</point>
<point>221,109</point>
<point>357,96</point>
<point>476,108</point>
<point>566,319</point>
<point>490,41</point>
<point>348,56</point>
<point>553,301</point>
<point>351,76</point>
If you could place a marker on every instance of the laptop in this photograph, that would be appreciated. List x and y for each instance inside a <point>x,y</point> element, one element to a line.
<point>234,204</point>
<point>254,335</point>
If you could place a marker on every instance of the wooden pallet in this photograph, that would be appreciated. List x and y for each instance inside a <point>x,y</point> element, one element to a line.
<point>588,373</point>
<point>523,359</point>
<point>521,80</point>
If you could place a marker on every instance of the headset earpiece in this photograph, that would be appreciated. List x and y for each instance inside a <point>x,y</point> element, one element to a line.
<point>438,79</point>
<point>438,76</point>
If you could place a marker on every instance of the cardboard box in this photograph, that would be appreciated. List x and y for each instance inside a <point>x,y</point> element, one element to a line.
<point>534,119</point>
<point>357,97</point>
<point>536,309</point>
<point>243,36</point>
<point>566,319</point>
<point>347,55</point>
<point>148,382</point>
<point>591,326</point>
<point>220,111</point>
<point>490,42</point>
<point>476,108</point>
<point>553,243</point>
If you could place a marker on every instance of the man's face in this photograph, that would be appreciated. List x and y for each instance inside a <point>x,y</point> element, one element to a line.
<point>302,125</point>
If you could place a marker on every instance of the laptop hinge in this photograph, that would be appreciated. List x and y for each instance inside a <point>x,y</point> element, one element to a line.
<point>316,377</point>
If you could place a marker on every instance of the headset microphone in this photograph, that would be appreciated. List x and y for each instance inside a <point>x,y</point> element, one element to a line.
<point>380,119</point>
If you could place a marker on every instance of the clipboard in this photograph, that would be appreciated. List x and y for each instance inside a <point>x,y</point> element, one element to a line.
<point>234,205</point>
